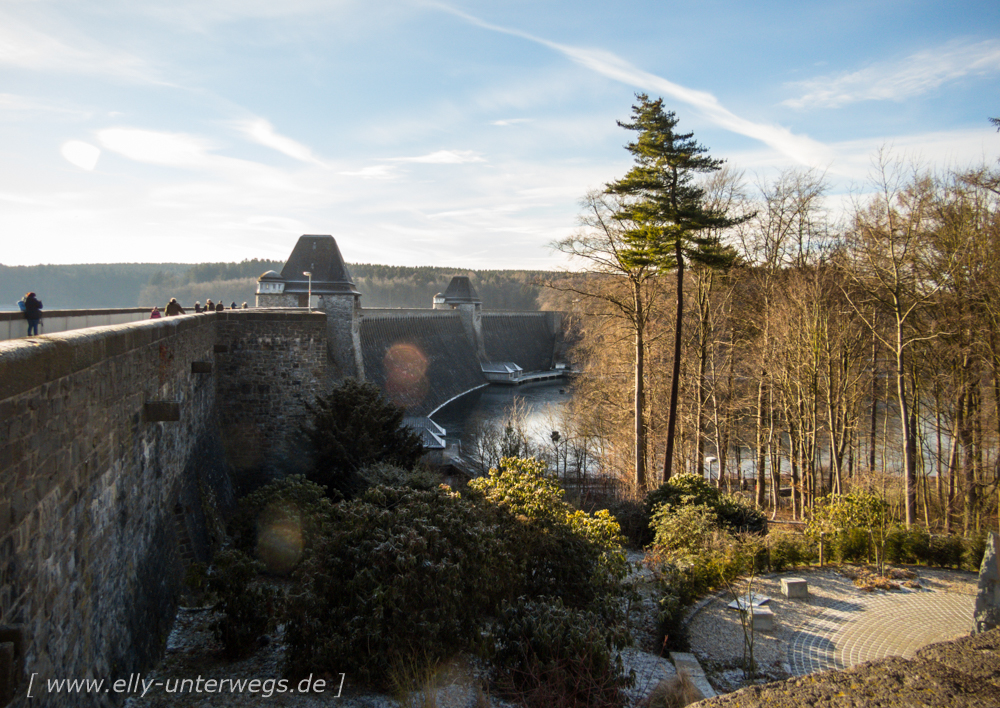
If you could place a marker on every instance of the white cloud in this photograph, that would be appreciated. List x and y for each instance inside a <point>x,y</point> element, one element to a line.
<point>511,121</point>
<point>24,47</point>
<point>443,157</point>
<point>262,132</point>
<point>373,172</point>
<point>20,106</point>
<point>168,149</point>
<point>893,81</point>
<point>801,148</point>
<point>83,155</point>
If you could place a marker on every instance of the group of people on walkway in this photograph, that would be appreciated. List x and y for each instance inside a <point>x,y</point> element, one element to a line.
<point>174,308</point>
<point>31,306</point>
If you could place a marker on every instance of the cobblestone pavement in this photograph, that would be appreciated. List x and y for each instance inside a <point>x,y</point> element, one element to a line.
<point>867,627</point>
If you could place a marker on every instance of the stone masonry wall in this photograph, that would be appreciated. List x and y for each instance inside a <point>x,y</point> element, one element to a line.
<point>112,446</point>
<point>89,561</point>
<point>275,362</point>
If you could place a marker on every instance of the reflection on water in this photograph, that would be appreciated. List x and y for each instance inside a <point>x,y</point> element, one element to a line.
<point>543,405</point>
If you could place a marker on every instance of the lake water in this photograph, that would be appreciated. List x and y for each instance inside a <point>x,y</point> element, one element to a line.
<point>542,403</point>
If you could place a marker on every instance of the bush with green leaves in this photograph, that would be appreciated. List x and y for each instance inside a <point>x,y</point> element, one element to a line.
<point>353,427</point>
<point>276,523</point>
<point>545,654</point>
<point>389,475</point>
<point>248,607</point>
<point>975,549</point>
<point>946,551</point>
<point>851,545</point>
<point>732,511</point>
<point>682,490</point>
<point>401,573</point>
<point>856,525</point>
<point>404,573</point>
<point>789,549</point>
<point>690,555</point>
<point>561,551</point>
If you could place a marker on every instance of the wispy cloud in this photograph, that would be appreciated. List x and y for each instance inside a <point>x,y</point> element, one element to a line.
<point>372,172</point>
<point>893,81</point>
<point>20,106</point>
<point>443,157</point>
<point>24,47</point>
<point>158,148</point>
<point>798,147</point>
<point>511,121</point>
<point>263,133</point>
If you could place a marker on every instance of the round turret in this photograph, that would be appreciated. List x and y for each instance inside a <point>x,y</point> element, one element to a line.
<point>439,302</point>
<point>270,283</point>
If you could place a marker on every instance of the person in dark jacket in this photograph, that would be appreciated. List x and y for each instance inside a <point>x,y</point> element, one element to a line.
<point>32,313</point>
<point>233,305</point>
<point>174,308</point>
<point>197,306</point>
<point>209,305</point>
<point>219,307</point>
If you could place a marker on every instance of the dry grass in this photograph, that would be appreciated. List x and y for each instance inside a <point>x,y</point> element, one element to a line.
<point>675,693</point>
<point>866,577</point>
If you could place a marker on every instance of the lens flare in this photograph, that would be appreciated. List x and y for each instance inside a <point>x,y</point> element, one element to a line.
<point>406,374</point>
<point>279,541</point>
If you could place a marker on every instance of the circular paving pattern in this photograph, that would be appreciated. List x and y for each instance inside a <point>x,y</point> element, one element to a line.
<point>868,627</point>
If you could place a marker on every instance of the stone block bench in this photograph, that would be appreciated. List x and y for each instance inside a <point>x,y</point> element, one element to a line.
<point>762,619</point>
<point>794,588</point>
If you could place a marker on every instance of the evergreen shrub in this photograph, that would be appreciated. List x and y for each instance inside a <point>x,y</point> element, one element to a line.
<point>545,654</point>
<point>400,573</point>
<point>248,607</point>
<point>354,427</point>
<point>276,523</point>
<point>975,549</point>
<point>789,549</point>
<point>733,512</point>
<point>404,575</point>
<point>560,551</point>
<point>850,545</point>
<point>946,551</point>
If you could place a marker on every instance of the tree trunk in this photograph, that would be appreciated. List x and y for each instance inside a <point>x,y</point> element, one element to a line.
<point>640,394</point>
<point>668,457</point>
<point>907,432</point>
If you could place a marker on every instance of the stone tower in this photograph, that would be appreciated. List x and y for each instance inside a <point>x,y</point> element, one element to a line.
<point>461,296</point>
<point>333,284</point>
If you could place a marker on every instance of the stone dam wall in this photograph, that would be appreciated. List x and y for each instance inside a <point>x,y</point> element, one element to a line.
<point>123,447</point>
<point>424,358</point>
<point>113,466</point>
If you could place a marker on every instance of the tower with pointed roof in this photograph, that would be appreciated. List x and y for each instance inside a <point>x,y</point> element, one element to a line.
<point>333,292</point>
<point>461,296</point>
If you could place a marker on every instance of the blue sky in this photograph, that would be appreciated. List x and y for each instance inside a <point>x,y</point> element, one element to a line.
<point>430,133</point>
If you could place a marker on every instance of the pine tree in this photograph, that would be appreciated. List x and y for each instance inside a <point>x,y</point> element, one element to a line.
<point>670,222</point>
<point>352,428</point>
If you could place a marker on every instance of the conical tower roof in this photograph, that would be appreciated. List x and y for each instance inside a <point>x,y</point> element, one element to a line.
<point>320,256</point>
<point>460,290</point>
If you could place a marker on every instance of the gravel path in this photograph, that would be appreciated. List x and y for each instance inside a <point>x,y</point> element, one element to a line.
<point>836,627</point>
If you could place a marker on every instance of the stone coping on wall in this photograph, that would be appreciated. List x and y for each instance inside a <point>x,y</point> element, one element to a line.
<point>34,361</point>
<point>388,312</point>
<point>18,315</point>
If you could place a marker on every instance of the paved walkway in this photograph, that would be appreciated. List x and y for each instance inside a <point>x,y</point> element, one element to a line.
<point>868,627</point>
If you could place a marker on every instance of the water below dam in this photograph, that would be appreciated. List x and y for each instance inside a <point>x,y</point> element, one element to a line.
<point>541,404</point>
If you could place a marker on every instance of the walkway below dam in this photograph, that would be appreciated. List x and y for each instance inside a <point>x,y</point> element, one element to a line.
<point>837,626</point>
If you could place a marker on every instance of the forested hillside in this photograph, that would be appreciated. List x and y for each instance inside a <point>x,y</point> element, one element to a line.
<point>80,286</point>
<point>148,284</point>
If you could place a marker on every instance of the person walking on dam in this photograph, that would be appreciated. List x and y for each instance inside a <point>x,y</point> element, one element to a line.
<point>32,313</point>
<point>174,308</point>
